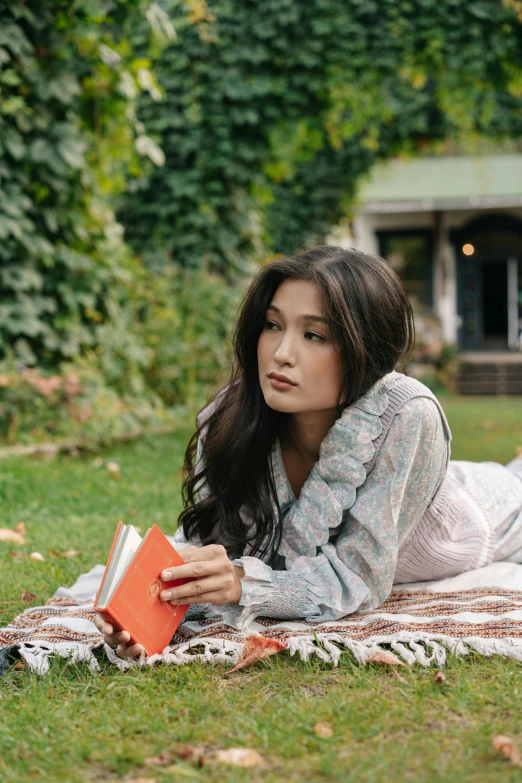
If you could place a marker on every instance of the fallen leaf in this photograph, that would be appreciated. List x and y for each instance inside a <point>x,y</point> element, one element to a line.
<point>507,747</point>
<point>37,556</point>
<point>163,759</point>
<point>67,553</point>
<point>130,779</point>
<point>114,470</point>
<point>488,424</point>
<point>193,753</point>
<point>439,676</point>
<point>323,730</point>
<point>241,757</point>
<point>14,537</point>
<point>256,648</point>
<point>20,665</point>
<point>383,656</point>
<point>97,463</point>
<point>15,554</point>
<point>20,528</point>
<point>27,597</point>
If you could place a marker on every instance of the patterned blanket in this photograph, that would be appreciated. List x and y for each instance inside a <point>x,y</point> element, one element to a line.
<point>480,610</point>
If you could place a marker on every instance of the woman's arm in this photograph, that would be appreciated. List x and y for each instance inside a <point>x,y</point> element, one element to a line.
<point>356,571</point>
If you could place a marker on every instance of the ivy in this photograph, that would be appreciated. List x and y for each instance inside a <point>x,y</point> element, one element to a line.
<point>68,134</point>
<point>274,111</point>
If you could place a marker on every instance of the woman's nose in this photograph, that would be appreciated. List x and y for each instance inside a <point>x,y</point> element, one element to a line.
<point>285,351</point>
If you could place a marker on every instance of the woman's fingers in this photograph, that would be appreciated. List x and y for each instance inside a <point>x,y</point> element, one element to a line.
<point>205,598</point>
<point>102,625</point>
<point>193,589</point>
<point>201,561</point>
<point>129,651</point>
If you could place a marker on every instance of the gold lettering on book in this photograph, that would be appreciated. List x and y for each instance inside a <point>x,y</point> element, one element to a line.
<point>154,589</point>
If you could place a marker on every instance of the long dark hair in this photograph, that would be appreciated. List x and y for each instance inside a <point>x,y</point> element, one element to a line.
<point>372,325</point>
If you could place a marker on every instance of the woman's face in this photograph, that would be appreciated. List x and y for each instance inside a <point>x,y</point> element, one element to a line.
<point>300,347</point>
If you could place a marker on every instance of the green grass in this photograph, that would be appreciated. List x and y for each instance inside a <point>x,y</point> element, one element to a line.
<point>74,725</point>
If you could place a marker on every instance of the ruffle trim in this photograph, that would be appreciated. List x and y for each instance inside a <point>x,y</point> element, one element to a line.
<point>331,487</point>
<point>266,592</point>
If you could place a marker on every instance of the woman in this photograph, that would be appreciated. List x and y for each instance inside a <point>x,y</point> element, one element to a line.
<point>322,475</point>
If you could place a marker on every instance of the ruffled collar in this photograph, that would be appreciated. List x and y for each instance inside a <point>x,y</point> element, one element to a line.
<point>332,483</point>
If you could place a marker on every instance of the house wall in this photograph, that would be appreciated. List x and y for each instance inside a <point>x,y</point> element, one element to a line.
<point>363,235</point>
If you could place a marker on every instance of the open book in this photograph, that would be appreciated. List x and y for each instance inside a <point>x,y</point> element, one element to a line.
<point>129,593</point>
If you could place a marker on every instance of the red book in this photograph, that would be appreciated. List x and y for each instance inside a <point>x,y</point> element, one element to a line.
<point>129,593</point>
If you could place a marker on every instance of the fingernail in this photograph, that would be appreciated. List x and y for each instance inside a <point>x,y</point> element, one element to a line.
<point>167,575</point>
<point>166,594</point>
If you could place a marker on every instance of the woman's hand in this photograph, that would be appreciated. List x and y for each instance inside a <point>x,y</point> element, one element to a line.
<point>118,640</point>
<point>217,579</point>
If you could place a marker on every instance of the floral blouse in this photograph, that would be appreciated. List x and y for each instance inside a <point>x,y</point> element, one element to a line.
<point>338,561</point>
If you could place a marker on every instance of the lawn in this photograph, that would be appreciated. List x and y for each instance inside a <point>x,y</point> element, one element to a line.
<point>74,725</point>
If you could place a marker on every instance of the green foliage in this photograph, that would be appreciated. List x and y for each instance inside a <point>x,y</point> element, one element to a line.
<point>67,126</point>
<point>157,360</point>
<point>186,319</point>
<point>76,405</point>
<point>274,111</point>
<point>221,133</point>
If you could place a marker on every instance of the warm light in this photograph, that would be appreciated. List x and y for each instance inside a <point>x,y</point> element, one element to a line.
<point>468,250</point>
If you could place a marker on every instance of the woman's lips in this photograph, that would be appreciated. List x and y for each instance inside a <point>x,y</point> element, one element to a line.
<point>280,384</point>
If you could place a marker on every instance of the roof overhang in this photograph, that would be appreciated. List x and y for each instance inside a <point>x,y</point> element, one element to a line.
<point>446,183</point>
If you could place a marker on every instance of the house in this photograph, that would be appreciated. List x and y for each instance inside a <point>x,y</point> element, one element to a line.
<point>451,227</point>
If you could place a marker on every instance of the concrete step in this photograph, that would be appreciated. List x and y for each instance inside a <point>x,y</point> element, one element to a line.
<point>489,378</point>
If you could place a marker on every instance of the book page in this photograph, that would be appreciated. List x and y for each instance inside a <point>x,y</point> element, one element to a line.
<point>123,554</point>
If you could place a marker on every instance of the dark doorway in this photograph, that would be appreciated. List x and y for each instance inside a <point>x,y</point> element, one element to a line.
<point>495,304</point>
<point>489,283</point>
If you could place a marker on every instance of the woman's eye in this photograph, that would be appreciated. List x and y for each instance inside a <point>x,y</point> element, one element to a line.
<point>308,335</point>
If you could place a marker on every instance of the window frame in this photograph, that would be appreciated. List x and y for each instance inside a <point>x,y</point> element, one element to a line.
<point>383,235</point>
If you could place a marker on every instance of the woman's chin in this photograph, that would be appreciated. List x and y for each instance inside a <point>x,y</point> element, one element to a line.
<point>278,403</point>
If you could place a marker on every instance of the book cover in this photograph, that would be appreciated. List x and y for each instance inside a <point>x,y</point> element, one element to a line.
<point>136,605</point>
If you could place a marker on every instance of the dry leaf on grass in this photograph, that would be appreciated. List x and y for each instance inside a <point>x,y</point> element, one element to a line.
<point>15,554</point>
<point>27,597</point>
<point>20,665</point>
<point>130,779</point>
<point>241,757</point>
<point>507,747</point>
<point>114,470</point>
<point>383,656</point>
<point>67,553</point>
<point>323,730</point>
<point>11,536</point>
<point>256,648</point>
<point>37,556</point>
<point>193,753</point>
<point>97,463</point>
<point>439,676</point>
<point>20,528</point>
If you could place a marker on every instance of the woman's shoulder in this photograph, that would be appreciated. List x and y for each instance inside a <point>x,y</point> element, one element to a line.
<point>415,404</point>
<point>420,413</point>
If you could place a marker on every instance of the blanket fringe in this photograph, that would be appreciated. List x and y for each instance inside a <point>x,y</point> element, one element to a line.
<point>411,647</point>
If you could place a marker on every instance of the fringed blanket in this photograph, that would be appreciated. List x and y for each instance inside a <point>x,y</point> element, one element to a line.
<point>480,610</point>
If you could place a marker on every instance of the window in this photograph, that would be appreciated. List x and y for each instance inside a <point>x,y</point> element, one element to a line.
<point>409,253</point>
